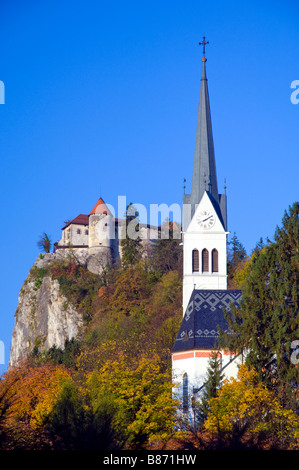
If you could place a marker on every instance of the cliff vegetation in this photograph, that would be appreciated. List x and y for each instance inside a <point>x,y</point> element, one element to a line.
<point>109,386</point>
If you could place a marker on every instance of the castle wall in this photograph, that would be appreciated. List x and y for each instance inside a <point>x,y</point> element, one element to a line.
<point>76,235</point>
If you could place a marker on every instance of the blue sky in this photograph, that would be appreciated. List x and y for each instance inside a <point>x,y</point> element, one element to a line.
<point>101,99</point>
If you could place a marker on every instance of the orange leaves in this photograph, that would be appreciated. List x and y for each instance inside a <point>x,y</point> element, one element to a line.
<point>33,391</point>
<point>131,289</point>
<point>103,292</point>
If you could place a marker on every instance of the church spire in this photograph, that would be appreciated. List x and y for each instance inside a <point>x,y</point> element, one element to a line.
<point>204,168</point>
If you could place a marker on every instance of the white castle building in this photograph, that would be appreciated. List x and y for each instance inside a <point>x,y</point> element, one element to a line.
<point>95,238</point>
<point>205,294</point>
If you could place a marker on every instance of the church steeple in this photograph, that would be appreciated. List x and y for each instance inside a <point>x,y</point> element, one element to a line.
<point>204,176</point>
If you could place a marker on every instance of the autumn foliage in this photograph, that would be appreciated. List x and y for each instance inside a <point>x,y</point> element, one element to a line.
<point>246,408</point>
<point>112,388</point>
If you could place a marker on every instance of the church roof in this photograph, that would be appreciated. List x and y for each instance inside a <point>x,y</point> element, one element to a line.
<point>204,167</point>
<point>204,314</point>
<point>204,176</point>
<point>100,208</point>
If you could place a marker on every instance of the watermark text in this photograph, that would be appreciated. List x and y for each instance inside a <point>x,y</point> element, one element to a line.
<point>295,94</point>
<point>2,353</point>
<point>2,93</point>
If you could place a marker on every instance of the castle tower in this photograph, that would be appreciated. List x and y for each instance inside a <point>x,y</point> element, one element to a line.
<point>101,235</point>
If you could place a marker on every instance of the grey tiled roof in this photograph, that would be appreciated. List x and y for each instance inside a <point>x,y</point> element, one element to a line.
<point>205,312</point>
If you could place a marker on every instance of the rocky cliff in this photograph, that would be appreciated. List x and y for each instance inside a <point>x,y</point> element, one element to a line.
<point>44,317</point>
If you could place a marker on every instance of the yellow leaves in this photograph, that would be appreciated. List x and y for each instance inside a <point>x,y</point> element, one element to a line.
<point>240,272</point>
<point>35,390</point>
<point>141,393</point>
<point>247,402</point>
<point>48,397</point>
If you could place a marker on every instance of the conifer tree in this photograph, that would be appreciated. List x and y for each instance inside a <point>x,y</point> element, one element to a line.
<point>213,383</point>
<point>266,325</point>
<point>167,252</point>
<point>236,255</point>
<point>131,243</point>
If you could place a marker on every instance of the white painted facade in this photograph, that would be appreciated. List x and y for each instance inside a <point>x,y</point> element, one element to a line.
<point>96,238</point>
<point>195,364</point>
<point>75,234</point>
<point>204,269</point>
<point>202,235</point>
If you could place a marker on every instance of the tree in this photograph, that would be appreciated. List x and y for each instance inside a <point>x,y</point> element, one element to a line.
<point>167,252</point>
<point>236,256</point>
<point>44,243</point>
<point>140,393</point>
<point>68,419</point>
<point>35,391</point>
<point>245,406</point>
<point>267,322</point>
<point>213,383</point>
<point>131,244</point>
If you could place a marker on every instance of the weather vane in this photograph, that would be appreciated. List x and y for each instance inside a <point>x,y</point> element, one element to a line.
<point>203,44</point>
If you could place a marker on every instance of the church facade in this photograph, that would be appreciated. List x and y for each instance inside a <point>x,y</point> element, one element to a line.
<point>205,293</point>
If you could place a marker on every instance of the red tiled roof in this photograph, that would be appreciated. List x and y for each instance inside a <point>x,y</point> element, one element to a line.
<point>100,208</point>
<point>81,219</point>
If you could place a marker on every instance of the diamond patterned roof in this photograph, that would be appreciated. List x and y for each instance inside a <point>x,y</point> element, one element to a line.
<point>205,312</point>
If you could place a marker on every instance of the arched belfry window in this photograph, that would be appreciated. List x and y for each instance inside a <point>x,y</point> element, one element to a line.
<point>215,267</point>
<point>195,261</point>
<point>205,260</point>
<point>185,393</point>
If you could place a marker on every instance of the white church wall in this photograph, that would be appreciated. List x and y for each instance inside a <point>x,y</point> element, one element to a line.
<point>199,237</point>
<point>195,364</point>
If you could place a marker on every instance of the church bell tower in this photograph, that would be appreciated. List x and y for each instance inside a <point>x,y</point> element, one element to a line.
<point>204,210</point>
<point>205,294</point>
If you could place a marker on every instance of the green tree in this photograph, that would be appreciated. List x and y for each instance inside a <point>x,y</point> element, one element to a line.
<point>131,243</point>
<point>236,256</point>
<point>68,420</point>
<point>44,243</point>
<point>213,383</point>
<point>167,252</point>
<point>267,322</point>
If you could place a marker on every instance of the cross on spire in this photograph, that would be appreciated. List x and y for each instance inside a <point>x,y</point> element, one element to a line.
<point>203,44</point>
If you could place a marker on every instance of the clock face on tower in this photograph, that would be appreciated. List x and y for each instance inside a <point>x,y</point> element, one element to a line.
<point>206,219</point>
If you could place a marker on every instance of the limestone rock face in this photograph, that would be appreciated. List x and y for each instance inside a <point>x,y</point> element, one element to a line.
<point>43,317</point>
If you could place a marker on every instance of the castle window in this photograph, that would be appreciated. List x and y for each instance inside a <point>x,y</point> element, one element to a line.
<point>215,261</point>
<point>78,231</point>
<point>205,260</point>
<point>86,232</point>
<point>195,261</point>
<point>185,392</point>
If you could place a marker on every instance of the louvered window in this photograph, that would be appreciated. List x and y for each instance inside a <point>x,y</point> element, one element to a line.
<point>205,260</point>
<point>195,261</point>
<point>215,261</point>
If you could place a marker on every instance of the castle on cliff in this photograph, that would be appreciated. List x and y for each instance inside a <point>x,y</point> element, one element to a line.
<point>95,238</point>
